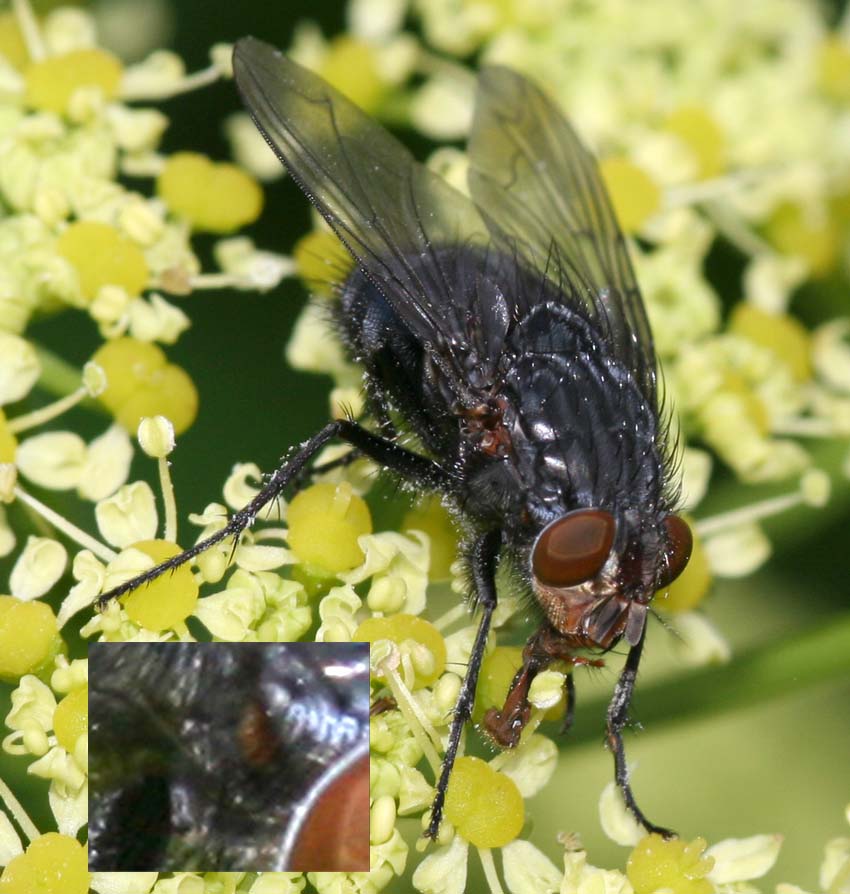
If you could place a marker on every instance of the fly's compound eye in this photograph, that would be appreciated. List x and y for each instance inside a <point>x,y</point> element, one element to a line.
<point>573,548</point>
<point>680,542</point>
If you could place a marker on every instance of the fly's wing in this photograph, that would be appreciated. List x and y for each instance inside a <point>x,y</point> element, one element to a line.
<point>393,214</point>
<point>540,193</point>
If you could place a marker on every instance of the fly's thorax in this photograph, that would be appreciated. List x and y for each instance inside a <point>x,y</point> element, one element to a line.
<point>594,572</point>
<point>585,431</point>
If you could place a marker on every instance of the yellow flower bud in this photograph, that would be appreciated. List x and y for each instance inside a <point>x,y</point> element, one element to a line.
<point>51,83</point>
<point>102,257</point>
<point>325,521</point>
<point>71,718</point>
<point>218,198</point>
<point>52,864</point>
<point>29,638</point>
<point>634,194</point>
<point>166,601</point>
<point>485,806</point>
<point>675,865</point>
<point>408,630</point>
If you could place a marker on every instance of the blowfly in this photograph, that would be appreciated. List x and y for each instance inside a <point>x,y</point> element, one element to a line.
<point>506,333</point>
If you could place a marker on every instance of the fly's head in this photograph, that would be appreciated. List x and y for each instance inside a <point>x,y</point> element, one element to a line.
<point>594,572</point>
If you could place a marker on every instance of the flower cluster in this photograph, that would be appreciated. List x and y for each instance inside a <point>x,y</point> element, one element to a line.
<point>698,150</point>
<point>75,238</point>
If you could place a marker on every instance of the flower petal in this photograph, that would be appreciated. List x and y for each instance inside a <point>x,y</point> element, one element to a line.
<point>38,568</point>
<point>528,870</point>
<point>123,882</point>
<point>742,859</point>
<point>107,464</point>
<point>55,460</point>
<point>698,641</point>
<point>532,764</point>
<point>443,872</point>
<point>617,822</point>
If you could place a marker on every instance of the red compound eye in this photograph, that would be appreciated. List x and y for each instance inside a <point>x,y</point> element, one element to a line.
<point>680,542</point>
<point>573,548</point>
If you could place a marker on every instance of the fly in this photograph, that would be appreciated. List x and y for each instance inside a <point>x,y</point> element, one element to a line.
<point>507,333</point>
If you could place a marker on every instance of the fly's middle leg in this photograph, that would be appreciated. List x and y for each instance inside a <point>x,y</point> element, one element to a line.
<point>484,560</point>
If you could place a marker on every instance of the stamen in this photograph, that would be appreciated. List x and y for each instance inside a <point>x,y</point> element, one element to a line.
<point>29,29</point>
<point>736,231</point>
<point>269,534</point>
<point>420,726</point>
<point>715,188</point>
<point>813,490</point>
<point>13,805</point>
<point>489,866</point>
<point>156,437</point>
<point>453,614</point>
<point>169,501</point>
<point>216,281</point>
<point>47,413</point>
<point>808,427</point>
<point>70,530</point>
<point>187,84</point>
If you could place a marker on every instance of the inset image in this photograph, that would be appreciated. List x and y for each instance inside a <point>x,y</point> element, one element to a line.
<point>229,756</point>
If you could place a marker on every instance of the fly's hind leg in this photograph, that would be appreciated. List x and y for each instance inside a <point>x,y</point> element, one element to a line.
<point>618,718</point>
<point>341,462</point>
<point>388,432</point>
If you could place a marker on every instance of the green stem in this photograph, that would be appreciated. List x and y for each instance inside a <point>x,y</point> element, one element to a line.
<point>60,378</point>
<point>772,670</point>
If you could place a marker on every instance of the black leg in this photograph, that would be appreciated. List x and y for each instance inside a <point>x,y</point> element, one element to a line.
<point>484,558</point>
<point>570,714</point>
<point>409,465</point>
<point>618,718</point>
<point>388,433</point>
<point>339,463</point>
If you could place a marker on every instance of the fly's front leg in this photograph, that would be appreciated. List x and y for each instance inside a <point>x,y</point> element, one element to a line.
<point>618,718</point>
<point>407,464</point>
<point>570,714</point>
<point>543,648</point>
<point>484,558</point>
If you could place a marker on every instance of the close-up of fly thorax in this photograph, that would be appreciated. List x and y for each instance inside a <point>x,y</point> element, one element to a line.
<point>218,756</point>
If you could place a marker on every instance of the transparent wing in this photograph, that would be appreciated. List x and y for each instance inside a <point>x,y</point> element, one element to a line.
<point>393,214</point>
<point>540,193</point>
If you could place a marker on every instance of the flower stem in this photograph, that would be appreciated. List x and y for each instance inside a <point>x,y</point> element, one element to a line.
<point>45,414</point>
<point>816,655</point>
<point>13,805</point>
<point>70,530</point>
<point>28,24</point>
<point>423,731</point>
<point>490,873</point>
<point>60,378</point>
<point>166,485</point>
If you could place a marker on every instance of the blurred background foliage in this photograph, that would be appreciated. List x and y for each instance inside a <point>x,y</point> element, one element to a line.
<point>775,765</point>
